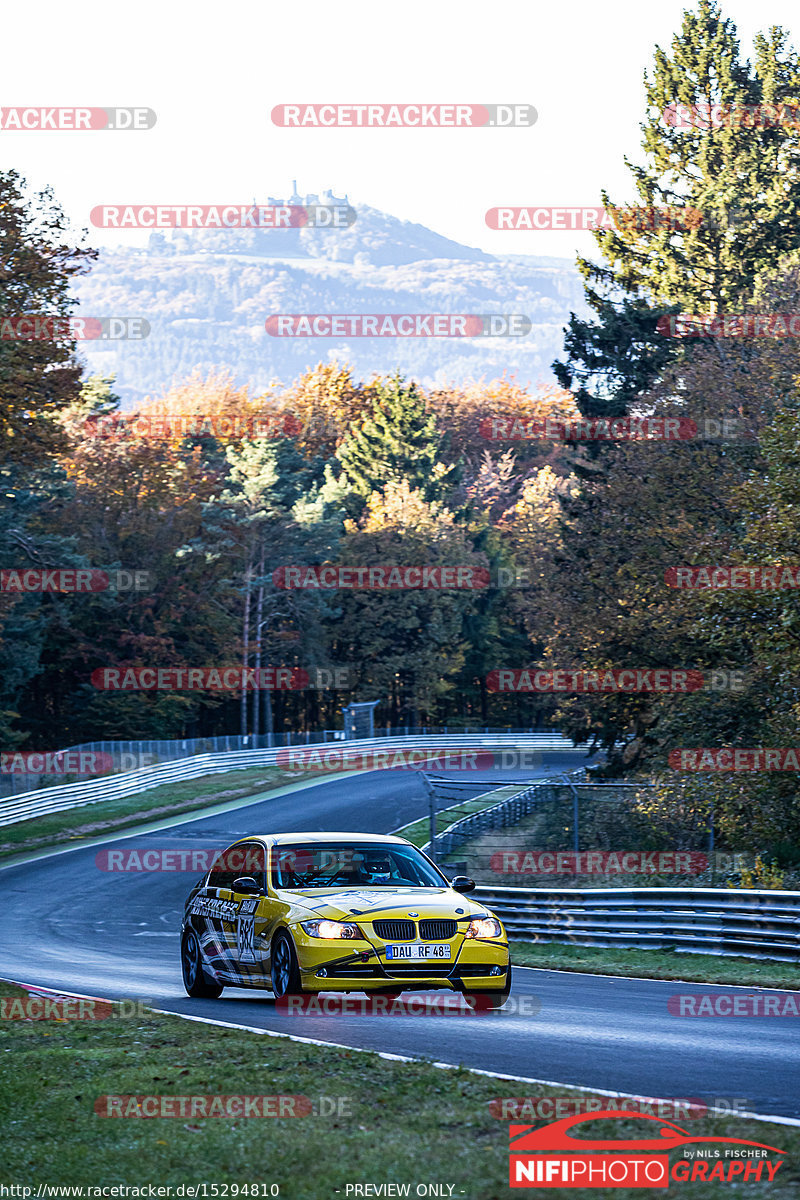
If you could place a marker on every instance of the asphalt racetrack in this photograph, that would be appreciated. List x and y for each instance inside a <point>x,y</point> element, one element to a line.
<point>70,925</point>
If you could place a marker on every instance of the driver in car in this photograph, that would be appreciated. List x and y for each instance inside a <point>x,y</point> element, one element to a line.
<point>378,869</point>
<point>350,869</point>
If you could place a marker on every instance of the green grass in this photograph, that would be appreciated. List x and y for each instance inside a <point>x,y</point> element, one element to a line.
<point>419,832</point>
<point>110,815</point>
<point>657,964</point>
<point>400,1122</point>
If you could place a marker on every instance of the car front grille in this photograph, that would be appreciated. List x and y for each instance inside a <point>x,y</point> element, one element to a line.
<point>395,931</point>
<point>437,930</point>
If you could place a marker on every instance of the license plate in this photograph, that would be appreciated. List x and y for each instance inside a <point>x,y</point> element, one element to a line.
<point>418,950</point>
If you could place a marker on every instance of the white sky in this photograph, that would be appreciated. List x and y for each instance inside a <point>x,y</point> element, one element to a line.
<point>213,72</point>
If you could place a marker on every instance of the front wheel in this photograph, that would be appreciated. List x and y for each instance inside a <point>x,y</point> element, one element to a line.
<point>194,979</point>
<point>284,971</point>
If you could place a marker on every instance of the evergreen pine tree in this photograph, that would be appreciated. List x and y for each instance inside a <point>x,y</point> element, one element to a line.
<point>718,205</point>
<point>39,376</point>
<point>398,441</point>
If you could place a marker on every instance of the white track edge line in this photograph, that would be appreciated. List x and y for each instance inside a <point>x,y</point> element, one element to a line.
<point>750,987</point>
<point>441,1066</point>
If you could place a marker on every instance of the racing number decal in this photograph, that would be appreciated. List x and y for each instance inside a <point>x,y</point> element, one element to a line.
<point>245,928</point>
<point>245,931</point>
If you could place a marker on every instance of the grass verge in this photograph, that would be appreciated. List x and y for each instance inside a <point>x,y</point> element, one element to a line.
<point>93,820</point>
<point>657,964</point>
<point>389,1122</point>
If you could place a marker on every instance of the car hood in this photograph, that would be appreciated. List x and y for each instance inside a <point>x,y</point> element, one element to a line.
<point>340,903</point>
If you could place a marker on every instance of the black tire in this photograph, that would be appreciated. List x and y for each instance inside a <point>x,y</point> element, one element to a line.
<point>389,993</point>
<point>195,981</point>
<point>486,1001</point>
<point>283,968</point>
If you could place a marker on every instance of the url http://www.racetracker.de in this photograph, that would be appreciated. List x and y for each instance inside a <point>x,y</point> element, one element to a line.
<point>186,1191</point>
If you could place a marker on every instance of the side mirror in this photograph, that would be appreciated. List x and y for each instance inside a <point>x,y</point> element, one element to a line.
<point>462,883</point>
<point>247,886</point>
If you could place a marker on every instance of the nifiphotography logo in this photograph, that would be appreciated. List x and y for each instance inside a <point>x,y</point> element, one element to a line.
<point>573,1161</point>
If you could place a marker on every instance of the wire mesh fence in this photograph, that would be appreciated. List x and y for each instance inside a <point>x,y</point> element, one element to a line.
<point>571,831</point>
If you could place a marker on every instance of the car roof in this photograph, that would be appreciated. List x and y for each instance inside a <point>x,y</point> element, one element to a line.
<point>282,839</point>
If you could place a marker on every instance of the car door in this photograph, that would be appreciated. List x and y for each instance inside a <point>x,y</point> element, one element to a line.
<point>249,954</point>
<point>213,914</point>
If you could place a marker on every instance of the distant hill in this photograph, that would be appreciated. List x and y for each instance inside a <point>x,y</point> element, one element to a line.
<point>207,295</point>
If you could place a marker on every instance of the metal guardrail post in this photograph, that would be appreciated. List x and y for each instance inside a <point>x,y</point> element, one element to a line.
<point>432,831</point>
<point>575,828</point>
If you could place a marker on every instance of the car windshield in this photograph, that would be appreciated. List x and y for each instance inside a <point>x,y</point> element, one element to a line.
<point>342,864</point>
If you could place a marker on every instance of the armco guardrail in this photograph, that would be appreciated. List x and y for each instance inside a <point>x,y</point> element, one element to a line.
<point>76,795</point>
<point>752,924</point>
<point>501,815</point>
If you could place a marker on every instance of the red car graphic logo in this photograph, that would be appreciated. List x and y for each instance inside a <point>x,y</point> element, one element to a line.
<point>556,1137</point>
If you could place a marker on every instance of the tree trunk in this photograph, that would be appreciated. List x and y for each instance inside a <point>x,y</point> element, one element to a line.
<point>245,645</point>
<point>259,643</point>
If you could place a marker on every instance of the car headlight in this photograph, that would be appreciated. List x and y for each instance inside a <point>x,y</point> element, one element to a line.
<point>484,927</point>
<point>331,929</point>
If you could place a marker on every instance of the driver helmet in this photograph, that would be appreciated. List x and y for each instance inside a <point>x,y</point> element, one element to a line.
<point>378,868</point>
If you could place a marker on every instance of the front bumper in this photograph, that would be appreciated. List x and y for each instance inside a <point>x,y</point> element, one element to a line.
<point>326,966</point>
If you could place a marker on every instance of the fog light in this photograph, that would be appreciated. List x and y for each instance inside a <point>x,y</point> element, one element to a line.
<point>496,971</point>
<point>323,974</point>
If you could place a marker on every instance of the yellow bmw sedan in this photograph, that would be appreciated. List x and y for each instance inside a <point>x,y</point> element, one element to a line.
<point>319,912</point>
